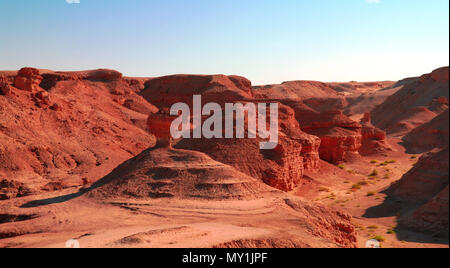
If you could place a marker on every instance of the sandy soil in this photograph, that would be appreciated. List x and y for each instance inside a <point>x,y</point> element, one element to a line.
<point>352,188</point>
<point>195,223</point>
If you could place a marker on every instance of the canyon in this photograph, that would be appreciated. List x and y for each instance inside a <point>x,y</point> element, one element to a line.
<point>88,155</point>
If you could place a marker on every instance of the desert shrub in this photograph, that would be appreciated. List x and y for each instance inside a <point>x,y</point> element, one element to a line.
<point>356,186</point>
<point>379,238</point>
<point>390,231</point>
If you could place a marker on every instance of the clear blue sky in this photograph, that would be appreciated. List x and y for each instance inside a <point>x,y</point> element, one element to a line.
<point>267,41</point>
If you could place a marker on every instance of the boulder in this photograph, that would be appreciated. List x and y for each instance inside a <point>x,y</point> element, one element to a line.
<point>28,79</point>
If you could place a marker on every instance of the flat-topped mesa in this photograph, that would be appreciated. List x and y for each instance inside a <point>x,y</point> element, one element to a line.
<point>294,90</point>
<point>100,75</point>
<point>168,90</point>
<point>28,79</point>
<point>103,75</point>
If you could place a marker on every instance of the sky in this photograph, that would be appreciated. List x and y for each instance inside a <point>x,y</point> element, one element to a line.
<point>267,41</point>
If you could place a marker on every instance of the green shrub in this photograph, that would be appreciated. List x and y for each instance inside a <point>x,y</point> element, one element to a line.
<point>356,186</point>
<point>379,238</point>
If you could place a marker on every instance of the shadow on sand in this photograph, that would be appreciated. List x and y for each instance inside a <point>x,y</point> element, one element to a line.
<point>68,197</point>
<point>394,207</point>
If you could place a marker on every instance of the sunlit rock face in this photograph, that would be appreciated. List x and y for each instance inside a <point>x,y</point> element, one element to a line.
<point>28,79</point>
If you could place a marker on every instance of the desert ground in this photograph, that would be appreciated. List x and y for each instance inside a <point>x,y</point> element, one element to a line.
<point>84,156</point>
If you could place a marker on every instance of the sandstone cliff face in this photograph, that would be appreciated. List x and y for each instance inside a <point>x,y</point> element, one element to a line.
<point>373,139</point>
<point>75,132</point>
<point>282,167</point>
<point>340,136</point>
<point>415,104</point>
<point>342,139</point>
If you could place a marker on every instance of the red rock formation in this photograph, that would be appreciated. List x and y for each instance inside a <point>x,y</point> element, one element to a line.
<point>425,187</point>
<point>159,125</point>
<point>173,173</point>
<point>5,88</point>
<point>28,79</point>
<point>340,136</point>
<point>51,79</point>
<point>415,104</point>
<point>104,75</point>
<point>425,180</point>
<point>282,167</point>
<point>295,90</point>
<point>73,133</point>
<point>373,139</point>
<point>429,136</point>
<point>432,217</point>
<point>168,90</point>
<point>12,189</point>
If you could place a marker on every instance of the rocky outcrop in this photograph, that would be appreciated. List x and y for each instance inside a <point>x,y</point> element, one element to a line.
<point>432,218</point>
<point>28,79</point>
<point>11,189</point>
<point>425,180</point>
<point>51,79</point>
<point>425,187</point>
<point>159,125</point>
<point>415,104</point>
<point>429,136</point>
<point>373,139</point>
<point>172,173</point>
<point>104,75</point>
<point>76,132</point>
<point>340,136</point>
<point>5,88</point>
<point>295,90</point>
<point>282,167</point>
<point>168,90</point>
